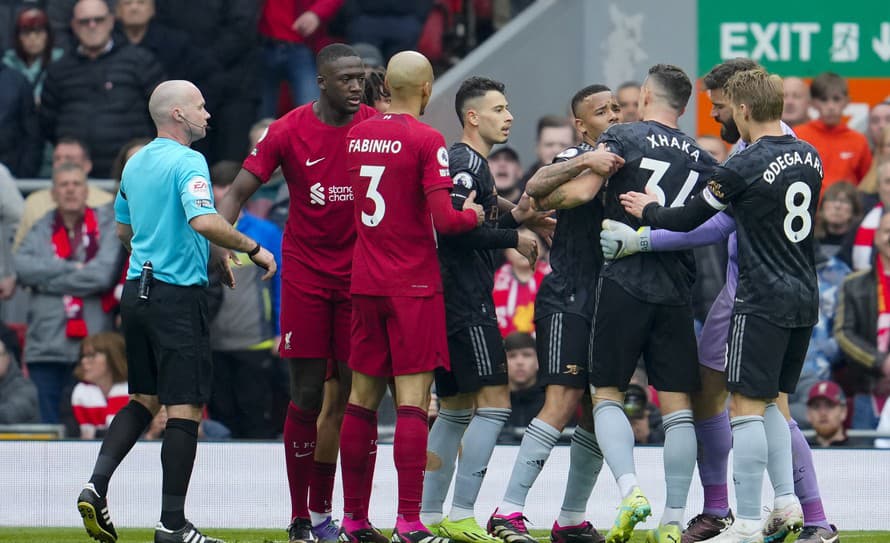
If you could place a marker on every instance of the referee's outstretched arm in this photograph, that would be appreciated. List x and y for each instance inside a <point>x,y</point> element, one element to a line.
<point>219,232</point>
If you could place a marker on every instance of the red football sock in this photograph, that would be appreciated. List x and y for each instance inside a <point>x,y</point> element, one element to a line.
<point>321,487</point>
<point>369,472</point>
<point>299,445</point>
<point>409,452</point>
<point>358,441</point>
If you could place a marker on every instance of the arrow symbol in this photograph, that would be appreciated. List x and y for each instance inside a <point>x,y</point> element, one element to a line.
<point>882,46</point>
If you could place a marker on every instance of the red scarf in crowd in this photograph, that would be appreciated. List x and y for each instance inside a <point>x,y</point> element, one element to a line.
<point>883,283</point>
<point>863,245</point>
<point>514,301</point>
<point>88,236</point>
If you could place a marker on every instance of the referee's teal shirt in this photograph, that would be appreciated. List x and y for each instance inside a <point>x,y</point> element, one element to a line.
<point>165,185</point>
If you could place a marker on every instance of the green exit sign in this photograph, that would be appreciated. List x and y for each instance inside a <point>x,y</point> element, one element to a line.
<point>798,38</point>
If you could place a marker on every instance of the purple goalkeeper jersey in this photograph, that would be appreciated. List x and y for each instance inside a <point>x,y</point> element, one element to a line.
<point>720,227</point>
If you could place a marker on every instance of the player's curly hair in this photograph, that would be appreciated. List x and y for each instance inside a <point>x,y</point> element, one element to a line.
<point>718,76</point>
<point>474,87</point>
<point>674,84</point>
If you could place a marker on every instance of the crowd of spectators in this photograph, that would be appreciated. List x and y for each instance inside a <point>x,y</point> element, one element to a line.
<point>74,84</point>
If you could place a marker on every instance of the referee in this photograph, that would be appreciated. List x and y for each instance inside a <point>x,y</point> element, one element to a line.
<point>166,218</point>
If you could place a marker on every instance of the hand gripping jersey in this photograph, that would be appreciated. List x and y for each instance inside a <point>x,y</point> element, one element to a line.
<point>468,261</point>
<point>575,256</point>
<point>675,168</point>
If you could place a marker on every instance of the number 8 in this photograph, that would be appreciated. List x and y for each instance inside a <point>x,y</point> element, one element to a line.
<point>801,211</point>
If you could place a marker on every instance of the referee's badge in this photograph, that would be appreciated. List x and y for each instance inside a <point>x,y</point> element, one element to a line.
<point>199,187</point>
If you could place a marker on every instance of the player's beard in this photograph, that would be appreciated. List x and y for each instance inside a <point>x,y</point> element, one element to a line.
<point>729,131</point>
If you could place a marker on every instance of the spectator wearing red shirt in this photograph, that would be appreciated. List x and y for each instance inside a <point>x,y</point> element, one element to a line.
<point>292,31</point>
<point>844,152</point>
<point>516,286</point>
<point>102,388</point>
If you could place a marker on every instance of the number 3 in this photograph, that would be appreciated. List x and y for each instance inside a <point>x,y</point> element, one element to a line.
<point>375,173</point>
<point>801,211</point>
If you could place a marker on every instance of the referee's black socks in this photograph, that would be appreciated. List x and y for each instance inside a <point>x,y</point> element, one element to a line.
<point>177,459</point>
<point>124,431</point>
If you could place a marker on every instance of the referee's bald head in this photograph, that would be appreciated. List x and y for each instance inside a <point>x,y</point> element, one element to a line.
<point>168,96</point>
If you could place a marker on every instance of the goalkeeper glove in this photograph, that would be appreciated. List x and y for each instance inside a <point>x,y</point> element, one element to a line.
<point>619,240</point>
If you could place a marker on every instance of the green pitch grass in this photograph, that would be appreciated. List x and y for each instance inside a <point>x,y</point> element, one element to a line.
<point>129,535</point>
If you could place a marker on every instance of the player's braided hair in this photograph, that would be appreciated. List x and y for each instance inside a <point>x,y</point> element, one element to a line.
<point>474,87</point>
<point>375,89</point>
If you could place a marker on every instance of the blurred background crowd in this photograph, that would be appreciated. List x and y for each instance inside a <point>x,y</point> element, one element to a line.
<point>75,78</point>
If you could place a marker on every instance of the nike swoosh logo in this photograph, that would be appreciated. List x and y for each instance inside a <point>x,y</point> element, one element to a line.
<point>830,540</point>
<point>298,455</point>
<point>314,162</point>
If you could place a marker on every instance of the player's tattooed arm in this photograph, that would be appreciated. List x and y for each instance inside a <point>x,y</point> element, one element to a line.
<point>549,178</point>
<point>601,163</point>
<point>573,193</point>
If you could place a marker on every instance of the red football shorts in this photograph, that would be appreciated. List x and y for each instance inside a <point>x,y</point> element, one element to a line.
<point>398,335</point>
<point>314,321</point>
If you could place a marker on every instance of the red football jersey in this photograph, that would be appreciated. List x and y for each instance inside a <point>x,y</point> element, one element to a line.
<point>320,232</point>
<point>394,161</point>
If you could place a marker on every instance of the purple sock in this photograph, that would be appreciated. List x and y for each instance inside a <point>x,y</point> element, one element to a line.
<point>714,443</point>
<point>805,484</point>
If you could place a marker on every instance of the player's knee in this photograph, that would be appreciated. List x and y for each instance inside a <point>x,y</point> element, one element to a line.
<point>607,394</point>
<point>497,396</point>
<point>457,402</point>
<point>673,401</point>
<point>307,383</point>
<point>306,397</point>
<point>149,402</point>
<point>558,409</point>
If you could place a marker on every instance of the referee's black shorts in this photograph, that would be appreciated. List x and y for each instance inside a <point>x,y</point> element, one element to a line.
<point>477,360</point>
<point>563,345</point>
<point>763,359</point>
<point>168,343</point>
<point>625,327</point>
